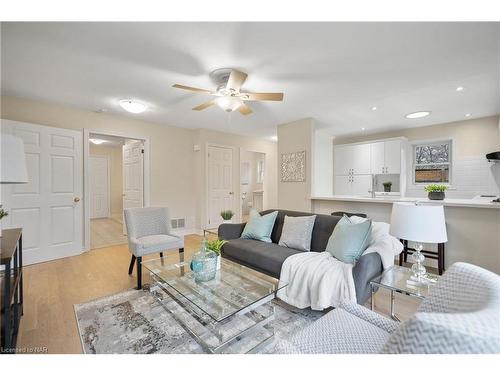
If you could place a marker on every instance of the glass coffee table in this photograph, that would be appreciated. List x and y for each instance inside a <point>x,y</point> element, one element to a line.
<point>229,314</point>
<point>395,280</point>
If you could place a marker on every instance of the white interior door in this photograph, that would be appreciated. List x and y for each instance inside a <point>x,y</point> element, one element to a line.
<point>99,186</point>
<point>49,206</point>
<point>133,176</point>
<point>220,183</point>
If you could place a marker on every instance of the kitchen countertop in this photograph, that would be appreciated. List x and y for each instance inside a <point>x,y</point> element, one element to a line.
<point>474,203</point>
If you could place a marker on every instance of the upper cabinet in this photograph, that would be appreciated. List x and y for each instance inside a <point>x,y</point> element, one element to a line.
<point>386,157</point>
<point>351,159</point>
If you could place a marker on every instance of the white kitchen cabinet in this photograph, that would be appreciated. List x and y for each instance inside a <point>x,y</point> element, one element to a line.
<point>361,184</point>
<point>352,185</point>
<point>386,157</point>
<point>377,157</point>
<point>352,159</point>
<point>392,156</point>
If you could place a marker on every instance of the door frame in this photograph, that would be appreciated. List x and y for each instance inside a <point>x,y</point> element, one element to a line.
<point>243,149</point>
<point>86,193</point>
<point>207,179</point>
<point>109,181</point>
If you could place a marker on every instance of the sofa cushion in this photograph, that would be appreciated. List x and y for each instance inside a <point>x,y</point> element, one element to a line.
<point>349,240</point>
<point>297,232</point>
<point>267,257</point>
<point>323,227</point>
<point>259,227</point>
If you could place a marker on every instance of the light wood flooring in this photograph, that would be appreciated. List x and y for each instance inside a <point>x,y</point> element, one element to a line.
<point>106,232</point>
<point>52,288</point>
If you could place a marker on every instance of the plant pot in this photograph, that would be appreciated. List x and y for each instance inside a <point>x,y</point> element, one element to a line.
<point>218,262</point>
<point>387,189</point>
<point>436,195</point>
<point>230,221</point>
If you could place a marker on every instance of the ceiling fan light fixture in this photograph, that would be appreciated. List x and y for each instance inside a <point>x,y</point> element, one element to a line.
<point>132,106</point>
<point>229,103</point>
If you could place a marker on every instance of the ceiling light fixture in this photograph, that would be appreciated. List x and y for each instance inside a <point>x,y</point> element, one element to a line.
<point>419,114</point>
<point>363,129</point>
<point>468,114</point>
<point>374,108</point>
<point>229,103</point>
<point>97,141</point>
<point>460,88</point>
<point>132,106</point>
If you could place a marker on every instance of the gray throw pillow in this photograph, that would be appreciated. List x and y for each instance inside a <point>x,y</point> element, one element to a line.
<point>297,232</point>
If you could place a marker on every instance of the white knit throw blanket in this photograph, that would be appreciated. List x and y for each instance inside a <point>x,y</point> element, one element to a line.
<point>317,280</point>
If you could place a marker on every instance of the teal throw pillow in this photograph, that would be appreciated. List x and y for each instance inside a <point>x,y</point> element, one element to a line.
<point>259,227</point>
<point>349,240</point>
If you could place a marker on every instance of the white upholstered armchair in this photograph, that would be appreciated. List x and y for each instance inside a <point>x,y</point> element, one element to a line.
<point>149,232</point>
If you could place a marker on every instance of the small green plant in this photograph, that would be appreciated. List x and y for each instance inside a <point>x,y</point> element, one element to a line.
<point>227,214</point>
<point>436,188</point>
<point>387,184</point>
<point>216,245</point>
<point>3,213</point>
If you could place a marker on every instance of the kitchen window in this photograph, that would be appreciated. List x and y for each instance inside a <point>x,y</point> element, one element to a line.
<point>432,162</point>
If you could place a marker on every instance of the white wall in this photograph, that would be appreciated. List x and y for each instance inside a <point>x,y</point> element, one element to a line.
<point>293,137</point>
<point>322,177</point>
<point>116,175</point>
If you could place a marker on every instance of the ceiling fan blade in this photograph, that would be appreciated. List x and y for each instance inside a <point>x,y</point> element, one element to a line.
<point>188,88</point>
<point>236,80</point>
<point>203,106</point>
<point>256,96</point>
<point>244,109</point>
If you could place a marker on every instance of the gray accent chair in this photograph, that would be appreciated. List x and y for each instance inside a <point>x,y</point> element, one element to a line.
<point>269,257</point>
<point>461,315</point>
<point>149,231</point>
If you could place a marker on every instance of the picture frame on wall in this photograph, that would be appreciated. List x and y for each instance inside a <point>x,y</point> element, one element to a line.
<point>293,167</point>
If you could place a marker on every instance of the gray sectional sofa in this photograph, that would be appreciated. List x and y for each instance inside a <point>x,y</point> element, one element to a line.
<point>269,257</point>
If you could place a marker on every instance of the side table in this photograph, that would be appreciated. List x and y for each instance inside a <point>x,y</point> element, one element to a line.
<point>11,244</point>
<point>394,279</point>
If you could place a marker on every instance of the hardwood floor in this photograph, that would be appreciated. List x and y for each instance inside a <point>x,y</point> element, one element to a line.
<point>106,232</point>
<point>52,288</point>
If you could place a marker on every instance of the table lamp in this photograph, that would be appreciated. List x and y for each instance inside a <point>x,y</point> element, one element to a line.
<point>13,162</point>
<point>420,224</point>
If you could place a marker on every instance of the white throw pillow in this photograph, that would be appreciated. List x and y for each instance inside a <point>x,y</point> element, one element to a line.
<point>297,232</point>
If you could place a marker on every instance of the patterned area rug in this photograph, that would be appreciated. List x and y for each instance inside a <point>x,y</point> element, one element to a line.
<point>135,322</point>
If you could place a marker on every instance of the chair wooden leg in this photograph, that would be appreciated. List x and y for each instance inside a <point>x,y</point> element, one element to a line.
<point>139,273</point>
<point>131,267</point>
<point>181,254</point>
<point>440,258</point>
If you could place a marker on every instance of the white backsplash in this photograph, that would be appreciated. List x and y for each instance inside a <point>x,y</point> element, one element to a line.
<point>471,176</point>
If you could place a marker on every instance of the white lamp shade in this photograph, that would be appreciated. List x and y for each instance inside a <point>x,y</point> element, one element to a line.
<point>418,223</point>
<point>13,161</point>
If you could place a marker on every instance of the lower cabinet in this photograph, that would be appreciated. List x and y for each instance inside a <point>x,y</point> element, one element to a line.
<point>352,185</point>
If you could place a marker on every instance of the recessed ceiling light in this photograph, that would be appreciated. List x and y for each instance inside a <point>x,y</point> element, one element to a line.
<point>460,88</point>
<point>132,106</point>
<point>468,114</point>
<point>374,108</point>
<point>97,141</point>
<point>363,129</point>
<point>419,114</point>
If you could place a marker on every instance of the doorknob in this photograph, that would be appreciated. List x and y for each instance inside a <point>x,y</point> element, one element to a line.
<point>76,199</point>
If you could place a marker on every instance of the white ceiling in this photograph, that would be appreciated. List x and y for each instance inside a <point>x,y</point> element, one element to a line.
<point>333,72</point>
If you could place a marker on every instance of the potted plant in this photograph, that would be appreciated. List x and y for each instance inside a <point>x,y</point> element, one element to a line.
<point>3,213</point>
<point>216,246</point>
<point>227,216</point>
<point>436,192</point>
<point>387,186</point>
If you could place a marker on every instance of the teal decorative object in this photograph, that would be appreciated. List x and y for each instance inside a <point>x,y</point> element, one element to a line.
<point>349,240</point>
<point>259,227</point>
<point>204,264</point>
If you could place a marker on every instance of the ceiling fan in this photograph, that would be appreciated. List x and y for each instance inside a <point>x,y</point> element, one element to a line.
<point>229,96</point>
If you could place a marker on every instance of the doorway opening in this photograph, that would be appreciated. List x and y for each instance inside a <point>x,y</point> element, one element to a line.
<point>115,182</point>
<point>252,172</point>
